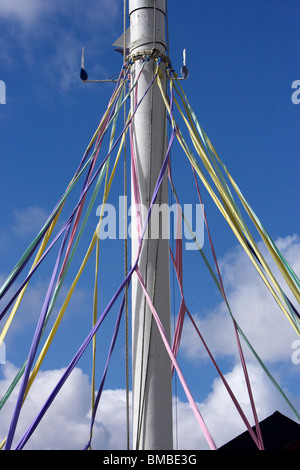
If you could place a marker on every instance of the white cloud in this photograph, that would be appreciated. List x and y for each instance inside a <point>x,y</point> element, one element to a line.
<point>28,221</point>
<point>25,11</point>
<point>66,424</point>
<point>219,412</point>
<point>33,11</point>
<point>269,332</point>
<point>26,317</point>
<point>25,224</point>
<point>50,36</point>
<point>62,426</point>
<point>111,418</point>
<point>223,419</point>
<point>252,305</point>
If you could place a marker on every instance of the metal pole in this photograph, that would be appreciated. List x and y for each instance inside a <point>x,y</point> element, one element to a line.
<point>152,382</point>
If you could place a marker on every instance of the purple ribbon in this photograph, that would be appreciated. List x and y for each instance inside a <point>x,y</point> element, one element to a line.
<point>85,344</point>
<point>84,191</point>
<point>46,226</point>
<point>39,328</point>
<point>34,345</point>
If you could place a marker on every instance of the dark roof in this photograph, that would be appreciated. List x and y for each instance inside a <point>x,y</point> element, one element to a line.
<point>278,433</point>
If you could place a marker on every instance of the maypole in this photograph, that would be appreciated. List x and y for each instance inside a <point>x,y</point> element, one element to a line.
<point>151,381</point>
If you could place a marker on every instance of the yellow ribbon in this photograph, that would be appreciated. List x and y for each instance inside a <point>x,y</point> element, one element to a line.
<point>228,210</point>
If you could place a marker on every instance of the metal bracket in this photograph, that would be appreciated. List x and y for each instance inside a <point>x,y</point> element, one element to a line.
<point>184,70</point>
<point>131,58</point>
<point>84,75</point>
<point>152,53</point>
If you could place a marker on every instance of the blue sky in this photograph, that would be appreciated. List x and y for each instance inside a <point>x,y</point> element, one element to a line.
<point>242,59</point>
